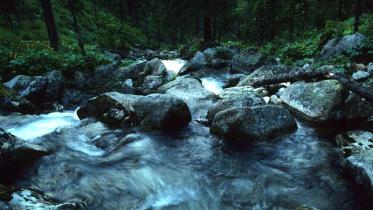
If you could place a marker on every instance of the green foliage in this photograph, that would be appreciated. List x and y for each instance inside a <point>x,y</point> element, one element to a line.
<point>36,58</point>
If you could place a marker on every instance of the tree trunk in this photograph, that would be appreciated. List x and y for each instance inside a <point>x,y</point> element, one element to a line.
<point>51,24</point>
<point>76,28</point>
<point>357,15</point>
<point>207,33</point>
<point>340,10</point>
<point>291,20</point>
<point>197,25</point>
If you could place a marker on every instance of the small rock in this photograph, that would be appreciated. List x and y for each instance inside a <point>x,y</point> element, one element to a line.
<point>360,75</point>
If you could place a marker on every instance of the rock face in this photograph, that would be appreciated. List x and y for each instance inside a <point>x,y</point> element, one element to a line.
<point>255,123</point>
<point>15,156</point>
<point>357,158</point>
<point>313,101</point>
<point>155,111</point>
<point>235,100</point>
<point>338,46</point>
<point>247,62</point>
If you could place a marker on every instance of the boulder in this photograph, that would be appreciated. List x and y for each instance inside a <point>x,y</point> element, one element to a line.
<point>162,111</point>
<point>28,199</point>
<point>55,85</point>
<point>235,100</point>
<point>247,62</point>
<point>199,61</point>
<point>151,84</point>
<point>253,123</point>
<point>29,88</point>
<point>314,101</point>
<point>74,98</point>
<point>264,72</point>
<point>370,68</point>
<point>355,108</point>
<point>10,102</point>
<point>192,92</point>
<point>224,53</point>
<point>234,79</point>
<point>81,80</point>
<point>356,153</point>
<point>16,155</point>
<point>338,46</point>
<point>19,83</point>
<point>360,75</point>
<point>132,71</point>
<point>155,67</point>
<point>156,111</point>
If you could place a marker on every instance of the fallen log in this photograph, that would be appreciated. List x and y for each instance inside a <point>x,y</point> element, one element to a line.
<point>290,77</point>
<point>320,74</point>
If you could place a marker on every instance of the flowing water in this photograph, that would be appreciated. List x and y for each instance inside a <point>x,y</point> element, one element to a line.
<point>127,169</point>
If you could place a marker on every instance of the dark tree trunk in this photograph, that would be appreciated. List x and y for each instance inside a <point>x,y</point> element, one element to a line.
<point>76,28</point>
<point>340,10</point>
<point>291,20</point>
<point>357,16</point>
<point>207,33</point>
<point>131,8</point>
<point>197,25</point>
<point>51,24</point>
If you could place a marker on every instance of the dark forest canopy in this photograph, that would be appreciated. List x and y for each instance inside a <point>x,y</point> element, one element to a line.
<point>89,26</point>
<point>178,21</point>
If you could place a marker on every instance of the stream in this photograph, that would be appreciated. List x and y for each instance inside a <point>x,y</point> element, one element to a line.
<point>189,169</point>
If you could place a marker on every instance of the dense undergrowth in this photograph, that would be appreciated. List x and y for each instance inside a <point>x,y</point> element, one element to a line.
<point>24,47</point>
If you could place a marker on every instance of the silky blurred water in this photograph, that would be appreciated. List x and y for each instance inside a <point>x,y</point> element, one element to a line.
<point>186,170</point>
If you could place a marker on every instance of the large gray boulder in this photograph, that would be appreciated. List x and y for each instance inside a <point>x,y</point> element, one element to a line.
<point>38,89</point>
<point>338,46</point>
<point>155,111</point>
<point>199,61</point>
<point>155,67</point>
<point>264,72</point>
<point>224,53</point>
<point>132,71</point>
<point>235,100</point>
<point>253,123</point>
<point>29,88</point>
<point>314,101</point>
<point>162,111</point>
<point>19,83</point>
<point>247,62</point>
<point>192,92</point>
<point>16,155</point>
<point>356,153</point>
